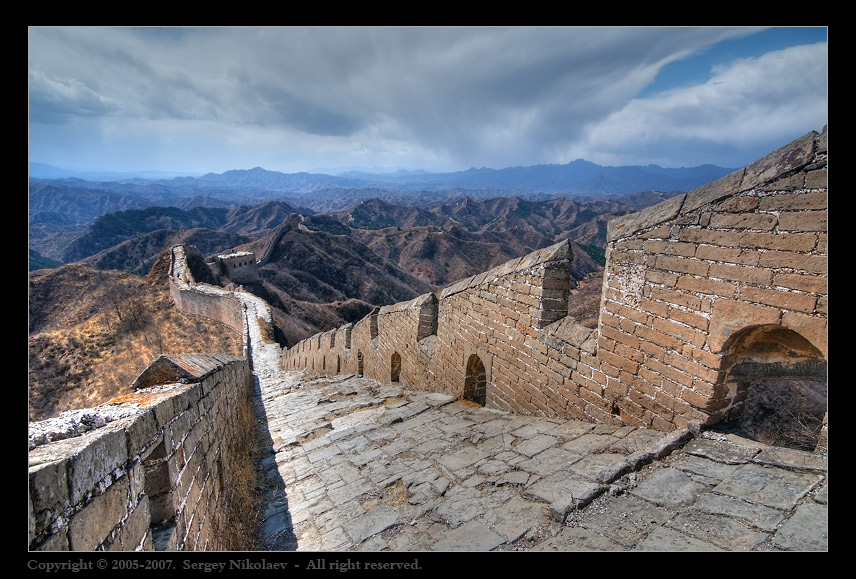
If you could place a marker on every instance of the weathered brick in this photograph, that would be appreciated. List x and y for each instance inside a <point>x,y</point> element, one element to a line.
<point>752,221</point>
<point>682,265</point>
<point>661,277</point>
<point>657,338</point>
<point>708,236</point>
<point>619,362</point>
<point>803,221</point>
<point>785,241</point>
<point>741,273</point>
<point>805,283</point>
<point>689,318</point>
<point>779,299</point>
<point>739,204</point>
<point>91,526</point>
<point>807,262</point>
<point>731,316</point>
<point>812,328</point>
<point>817,179</point>
<point>678,298</point>
<point>789,183</point>
<point>707,286</point>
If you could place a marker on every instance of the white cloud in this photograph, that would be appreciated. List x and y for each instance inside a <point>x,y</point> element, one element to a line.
<point>747,104</point>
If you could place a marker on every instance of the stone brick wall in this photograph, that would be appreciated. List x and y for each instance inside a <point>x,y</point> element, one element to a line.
<point>162,479</point>
<point>202,300</point>
<point>694,287</point>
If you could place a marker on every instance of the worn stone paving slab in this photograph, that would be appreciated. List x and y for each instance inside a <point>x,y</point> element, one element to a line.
<point>627,520</point>
<point>776,488</point>
<point>721,451</point>
<point>759,516</point>
<point>563,492</point>
<point>472,536</point>
<point>602,468</point>
<point>371,523</point>
<point>669,487</point>
<point>665,539</point>
<point>727,534</point>
<point>578,539</point>
<point>806,530</point>
<point>536,444</point>
<point>549,461</point>
<point>590,443</point>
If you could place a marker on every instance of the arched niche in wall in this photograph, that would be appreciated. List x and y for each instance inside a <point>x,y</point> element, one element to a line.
<point>475,381</point>
<point>775,386</point>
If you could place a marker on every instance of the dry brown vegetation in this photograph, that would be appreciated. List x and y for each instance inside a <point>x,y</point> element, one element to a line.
<point>92,332</point>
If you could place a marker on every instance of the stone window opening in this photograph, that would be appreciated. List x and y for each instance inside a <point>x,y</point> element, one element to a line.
<point>395,367</point>
<point>373,330</point>
<point>475,382</point>
<point>359,363</point>
<point>776,384</point>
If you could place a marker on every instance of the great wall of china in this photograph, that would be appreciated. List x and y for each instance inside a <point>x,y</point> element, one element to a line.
<point>702,294</point>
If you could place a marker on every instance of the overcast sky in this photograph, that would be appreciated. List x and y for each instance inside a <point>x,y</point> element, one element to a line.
<point>197,100</point>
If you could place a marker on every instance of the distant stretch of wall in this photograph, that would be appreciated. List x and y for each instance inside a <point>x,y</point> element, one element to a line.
<point>698,292</point>
<point>205,301</point>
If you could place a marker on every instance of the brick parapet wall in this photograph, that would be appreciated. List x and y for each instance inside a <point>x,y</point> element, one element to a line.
<point>100,491</point>
<point>684,280</point>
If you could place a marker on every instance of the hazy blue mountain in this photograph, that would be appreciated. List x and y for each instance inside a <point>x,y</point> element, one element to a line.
<point>575,178</point>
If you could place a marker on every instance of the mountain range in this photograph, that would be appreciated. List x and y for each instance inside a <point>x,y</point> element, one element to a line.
<point>364,239</point>
<point>578,179</point>
<point>335,248</point>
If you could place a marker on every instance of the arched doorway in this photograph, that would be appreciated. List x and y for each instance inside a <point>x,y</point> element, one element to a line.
<point>395,367</point>
<point>475,383</point>
<point>777,385</point>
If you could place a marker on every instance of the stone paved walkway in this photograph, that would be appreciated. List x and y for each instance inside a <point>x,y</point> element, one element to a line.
<point>354,465</point>
<point>357,465</point>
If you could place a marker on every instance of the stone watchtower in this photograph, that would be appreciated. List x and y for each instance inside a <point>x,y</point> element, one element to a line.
<point>239,267</point>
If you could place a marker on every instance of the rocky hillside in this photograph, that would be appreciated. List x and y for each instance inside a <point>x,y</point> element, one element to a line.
<point>91,332</point>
